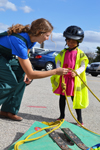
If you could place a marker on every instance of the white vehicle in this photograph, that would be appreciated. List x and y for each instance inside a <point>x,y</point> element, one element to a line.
<point>94,69</point>
<point>37,50</point>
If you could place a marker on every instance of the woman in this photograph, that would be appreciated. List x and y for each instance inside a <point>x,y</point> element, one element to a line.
<point>16,42</point>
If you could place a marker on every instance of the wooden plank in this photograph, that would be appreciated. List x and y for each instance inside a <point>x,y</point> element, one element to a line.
<point>74,138</point>
<point>59,141</point>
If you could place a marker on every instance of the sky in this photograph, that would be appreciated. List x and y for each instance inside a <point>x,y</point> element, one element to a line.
<point>61,14</point>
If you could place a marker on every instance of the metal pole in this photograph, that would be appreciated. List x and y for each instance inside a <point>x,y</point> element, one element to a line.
<point>42,45</point>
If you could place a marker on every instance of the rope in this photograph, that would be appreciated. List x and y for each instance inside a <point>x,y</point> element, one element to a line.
<point>64,90</point>
<point>55,124</point>
<point>85,84</point>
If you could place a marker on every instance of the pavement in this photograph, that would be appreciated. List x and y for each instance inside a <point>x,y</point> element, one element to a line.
<point>40,104</point>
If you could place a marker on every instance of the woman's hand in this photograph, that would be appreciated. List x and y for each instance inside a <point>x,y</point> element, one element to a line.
<point>26,79</point>
<point>61,71</point>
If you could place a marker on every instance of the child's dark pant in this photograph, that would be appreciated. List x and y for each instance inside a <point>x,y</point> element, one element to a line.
<point>62,104</point>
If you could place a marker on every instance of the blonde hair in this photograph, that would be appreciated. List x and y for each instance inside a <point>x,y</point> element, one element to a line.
<point>36,28</point>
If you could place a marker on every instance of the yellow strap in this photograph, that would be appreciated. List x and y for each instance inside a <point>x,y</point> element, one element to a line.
<point>84,84</point>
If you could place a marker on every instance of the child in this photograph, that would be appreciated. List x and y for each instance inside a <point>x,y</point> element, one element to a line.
<point>74,58</point>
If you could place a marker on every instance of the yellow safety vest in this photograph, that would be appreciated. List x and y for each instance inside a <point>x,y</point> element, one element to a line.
<point>80,100</point>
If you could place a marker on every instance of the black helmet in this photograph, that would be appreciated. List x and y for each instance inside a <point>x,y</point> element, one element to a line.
<point>75,33</point>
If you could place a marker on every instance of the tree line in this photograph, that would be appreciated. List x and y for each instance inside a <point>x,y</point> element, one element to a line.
<point>94,57</point>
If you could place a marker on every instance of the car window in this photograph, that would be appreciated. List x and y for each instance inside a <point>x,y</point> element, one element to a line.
<point>37,50</point>
<point>44,52</point>
<point>49,52</point>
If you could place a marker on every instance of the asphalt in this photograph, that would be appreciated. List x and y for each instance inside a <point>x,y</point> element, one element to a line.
<point>40,104</point>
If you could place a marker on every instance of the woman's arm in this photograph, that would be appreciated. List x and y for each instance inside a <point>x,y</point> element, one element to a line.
<point>27,67</point>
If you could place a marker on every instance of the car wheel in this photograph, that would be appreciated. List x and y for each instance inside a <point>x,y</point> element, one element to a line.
<point>49,66</point>
<point>95,75</point>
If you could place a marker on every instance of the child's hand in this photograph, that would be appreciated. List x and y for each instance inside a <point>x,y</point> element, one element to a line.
<point>73,74</point>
